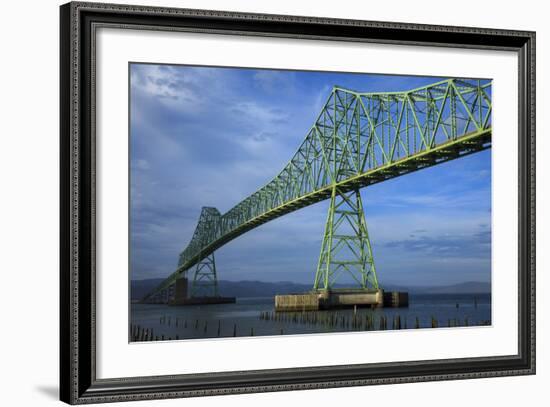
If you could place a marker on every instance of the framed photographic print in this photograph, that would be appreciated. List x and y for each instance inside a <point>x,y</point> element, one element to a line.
<point>256,203</point>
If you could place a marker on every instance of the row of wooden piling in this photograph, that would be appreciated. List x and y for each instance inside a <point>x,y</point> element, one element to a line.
<point>167,320</point>
<point>354,321</point>
<point>328,320</point>
<point>333,320</point>
<point>146,334</point>
<point>140,334</point>
<point>196,324</point>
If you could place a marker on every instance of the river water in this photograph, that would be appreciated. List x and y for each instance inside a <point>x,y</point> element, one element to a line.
<point>255,316</point>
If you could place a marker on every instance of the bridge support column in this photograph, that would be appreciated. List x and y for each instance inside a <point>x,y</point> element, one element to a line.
<point>205,281</point>
<point>180,290</point>
<point>346,248</point>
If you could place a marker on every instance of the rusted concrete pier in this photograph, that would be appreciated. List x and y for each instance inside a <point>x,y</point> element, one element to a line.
<point>297,302</point>
<point>340,298</point>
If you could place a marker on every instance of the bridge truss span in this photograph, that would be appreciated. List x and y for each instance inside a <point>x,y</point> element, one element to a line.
<point>358,139</point>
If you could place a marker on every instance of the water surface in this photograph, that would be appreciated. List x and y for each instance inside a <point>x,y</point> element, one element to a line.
<point>255,316</point>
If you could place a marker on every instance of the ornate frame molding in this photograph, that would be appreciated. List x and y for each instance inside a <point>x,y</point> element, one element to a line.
<point>78,380</point>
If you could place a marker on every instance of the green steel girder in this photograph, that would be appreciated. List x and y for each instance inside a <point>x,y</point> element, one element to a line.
<point>357,139</point>
<point>205,280</point>
<point>346,247</point>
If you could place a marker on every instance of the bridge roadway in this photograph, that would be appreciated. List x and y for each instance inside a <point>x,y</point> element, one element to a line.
<point>358,139</point>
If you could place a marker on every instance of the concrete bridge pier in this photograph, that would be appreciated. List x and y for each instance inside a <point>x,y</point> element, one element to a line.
<point>180,291</point>
<point>340,298</point>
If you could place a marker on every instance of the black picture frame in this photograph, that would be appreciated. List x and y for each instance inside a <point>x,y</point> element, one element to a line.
<point>78,382</point>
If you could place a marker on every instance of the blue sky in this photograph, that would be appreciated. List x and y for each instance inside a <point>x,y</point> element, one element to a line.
<point>203,136</point>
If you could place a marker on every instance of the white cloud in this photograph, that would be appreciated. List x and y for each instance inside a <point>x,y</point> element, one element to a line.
<point>250,110</point>
<point>274,81</point>
<point>186,90</point>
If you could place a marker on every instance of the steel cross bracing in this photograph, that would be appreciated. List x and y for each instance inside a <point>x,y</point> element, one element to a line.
<point>205,281</point>
<point>346,245</point>
<point>358,139</point>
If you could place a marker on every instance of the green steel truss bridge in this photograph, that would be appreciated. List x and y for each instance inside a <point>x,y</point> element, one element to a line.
<point>358,139</point>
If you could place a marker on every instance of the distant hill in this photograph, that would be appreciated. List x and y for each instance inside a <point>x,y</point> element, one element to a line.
<point>469,287</point>
<point>140,288</point>
<point>260,289</point>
